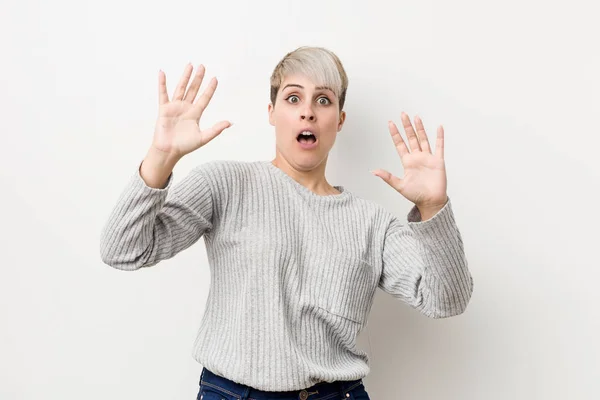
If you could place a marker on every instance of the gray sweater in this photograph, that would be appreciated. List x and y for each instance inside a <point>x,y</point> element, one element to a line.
<point>293,273</point>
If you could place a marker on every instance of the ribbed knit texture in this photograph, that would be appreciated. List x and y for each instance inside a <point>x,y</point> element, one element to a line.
<point>293,273</point>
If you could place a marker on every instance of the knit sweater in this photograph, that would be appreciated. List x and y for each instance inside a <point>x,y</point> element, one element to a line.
<point>292,273</point>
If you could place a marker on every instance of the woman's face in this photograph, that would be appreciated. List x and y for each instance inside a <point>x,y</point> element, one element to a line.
<point>301,107</point>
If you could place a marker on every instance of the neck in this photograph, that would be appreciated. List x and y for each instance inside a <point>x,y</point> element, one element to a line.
<point>313,179</point>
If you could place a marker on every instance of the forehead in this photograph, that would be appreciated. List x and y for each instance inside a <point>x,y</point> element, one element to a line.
<point>302,82</point>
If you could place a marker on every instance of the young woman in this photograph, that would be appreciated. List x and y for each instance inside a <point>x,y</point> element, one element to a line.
<point>294,261</point>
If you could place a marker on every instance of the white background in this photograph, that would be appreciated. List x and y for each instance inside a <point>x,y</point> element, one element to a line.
<point>515,84</point>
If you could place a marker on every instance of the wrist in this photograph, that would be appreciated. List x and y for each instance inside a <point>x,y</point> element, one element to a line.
<point>156,168</point>
<point>160,158</point>
<point>428,211</point>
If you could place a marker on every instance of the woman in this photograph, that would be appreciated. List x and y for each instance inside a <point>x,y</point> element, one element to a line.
<point>294,260</point>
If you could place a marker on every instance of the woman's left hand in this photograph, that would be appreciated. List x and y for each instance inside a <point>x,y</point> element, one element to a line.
<point>424,182</point>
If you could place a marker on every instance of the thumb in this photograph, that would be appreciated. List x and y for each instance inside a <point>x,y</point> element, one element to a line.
<point>216,130</point>
<point>388,178</point>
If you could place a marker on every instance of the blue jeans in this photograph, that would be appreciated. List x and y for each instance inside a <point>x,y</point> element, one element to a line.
<point>215,387</point>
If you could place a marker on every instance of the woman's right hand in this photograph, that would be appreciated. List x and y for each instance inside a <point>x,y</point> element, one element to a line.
<point>177,130</point>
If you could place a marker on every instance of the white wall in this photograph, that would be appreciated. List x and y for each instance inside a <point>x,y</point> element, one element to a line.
<point>515,84</point>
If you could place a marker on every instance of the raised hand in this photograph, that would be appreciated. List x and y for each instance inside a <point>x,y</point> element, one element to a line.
<point>177,130</point>
<point>424,182</point>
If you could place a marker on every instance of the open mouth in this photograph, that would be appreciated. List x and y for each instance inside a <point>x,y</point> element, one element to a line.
<point>306,137</point>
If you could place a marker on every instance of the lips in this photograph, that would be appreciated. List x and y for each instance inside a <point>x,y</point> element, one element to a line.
<point>306,133</point>
<point>307,139</point>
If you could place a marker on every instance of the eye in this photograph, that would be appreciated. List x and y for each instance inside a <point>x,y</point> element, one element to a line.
<point>293,97</point>
<point>325,102</point>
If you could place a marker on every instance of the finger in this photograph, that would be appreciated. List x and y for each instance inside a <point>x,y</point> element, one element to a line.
<point>163,96</point>
<point>203,101</point>
<point>215,130</point>
<point>183,82</point>
<point>422,135</point>
<point>439,143</point>
<point>195,85</point>
<point>389,178</point>
<point>397,138</point>
<point>413,140</point>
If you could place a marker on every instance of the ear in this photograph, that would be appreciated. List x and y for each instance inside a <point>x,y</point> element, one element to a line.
<point>271,116</point>
<point>342,120</point>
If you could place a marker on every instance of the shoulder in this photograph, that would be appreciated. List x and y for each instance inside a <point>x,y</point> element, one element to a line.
<point>225,175</point>
<point>371,209</point>
<point>225,168</point>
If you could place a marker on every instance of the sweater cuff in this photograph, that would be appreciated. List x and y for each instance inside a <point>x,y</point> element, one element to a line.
<point>439,226</point>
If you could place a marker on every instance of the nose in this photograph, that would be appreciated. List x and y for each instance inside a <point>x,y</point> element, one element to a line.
<point>307,113</point>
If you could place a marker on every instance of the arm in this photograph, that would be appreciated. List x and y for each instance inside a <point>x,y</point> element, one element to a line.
<point>151,224</point>
<point>424,264</point>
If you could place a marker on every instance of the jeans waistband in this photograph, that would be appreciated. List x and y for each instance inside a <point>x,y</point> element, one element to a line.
<point>319,391</point>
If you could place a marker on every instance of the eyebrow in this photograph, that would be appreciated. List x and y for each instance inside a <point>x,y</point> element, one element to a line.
<point>302,87</point>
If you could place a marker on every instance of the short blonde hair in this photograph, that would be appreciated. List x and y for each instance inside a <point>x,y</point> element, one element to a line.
<point>322,66</point>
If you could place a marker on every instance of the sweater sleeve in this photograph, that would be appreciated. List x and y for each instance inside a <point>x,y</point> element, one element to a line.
<point>424,264</point>
<point>148,225</point>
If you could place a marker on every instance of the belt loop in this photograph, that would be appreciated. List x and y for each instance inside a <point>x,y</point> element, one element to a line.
<point>246,393</point>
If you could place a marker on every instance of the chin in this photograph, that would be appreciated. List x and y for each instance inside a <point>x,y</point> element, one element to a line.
<point>307,162</point>
<point>302,160</point>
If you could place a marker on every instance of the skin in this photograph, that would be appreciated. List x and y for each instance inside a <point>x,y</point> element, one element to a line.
<point>424,182</point>
<point>300,105</point>
<point>297,107</point>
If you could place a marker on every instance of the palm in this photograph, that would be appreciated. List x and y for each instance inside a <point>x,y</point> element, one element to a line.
<point>177,127</point>
<point>176,130</point>
<point>423,174</point>
<point>424,181</point>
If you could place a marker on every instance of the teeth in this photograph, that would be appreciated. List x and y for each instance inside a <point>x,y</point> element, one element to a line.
<point>306,133</point>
